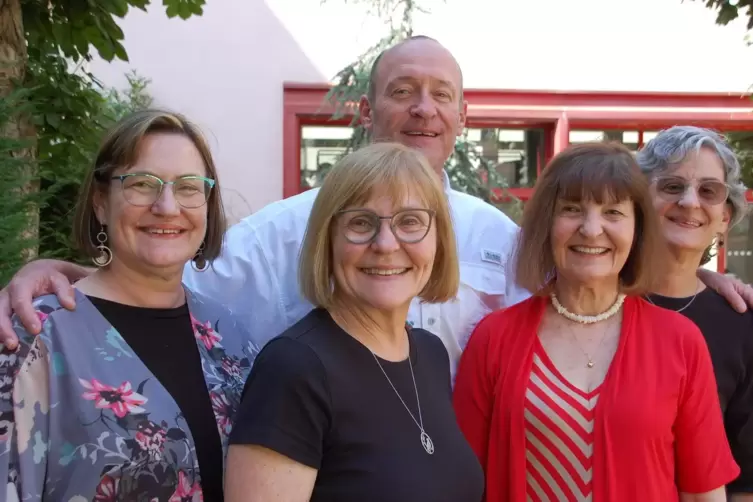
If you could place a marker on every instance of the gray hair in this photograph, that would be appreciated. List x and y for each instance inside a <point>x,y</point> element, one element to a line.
<point>672,146</point>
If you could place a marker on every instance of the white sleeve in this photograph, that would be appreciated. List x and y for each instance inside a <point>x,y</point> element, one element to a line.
<point>243,280</point>
<point>513,292</point>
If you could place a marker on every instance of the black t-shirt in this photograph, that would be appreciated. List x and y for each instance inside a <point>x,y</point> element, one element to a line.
<point>729,336</point>
<point>317,396</point>
<point>164,341</point>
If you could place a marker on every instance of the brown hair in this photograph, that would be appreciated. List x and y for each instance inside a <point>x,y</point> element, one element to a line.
<point>598,172</point>
<point>352,181</point>
<point>120,149</point>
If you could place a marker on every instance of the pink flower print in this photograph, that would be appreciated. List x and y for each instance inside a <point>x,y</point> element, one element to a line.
<point>151,438</point>
<point>205,333</point>
<point>107,489</point>
<point>221,407</point>
<point>42,316</point>
<point>185,492</point>
<point>121,401</point>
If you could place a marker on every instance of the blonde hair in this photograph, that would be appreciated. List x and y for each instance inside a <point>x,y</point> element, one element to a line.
<point>352,181</point>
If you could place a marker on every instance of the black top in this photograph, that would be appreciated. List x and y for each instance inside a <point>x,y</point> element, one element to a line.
<point>164,341</point>
<point>316,395</point>
<point>729,336</point>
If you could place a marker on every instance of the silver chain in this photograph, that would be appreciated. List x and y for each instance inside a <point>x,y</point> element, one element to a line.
<point>698,290</point>
<point>418,403</point>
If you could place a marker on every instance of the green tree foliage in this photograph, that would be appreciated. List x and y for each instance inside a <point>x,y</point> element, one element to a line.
<point>67,108</point>
<point>15,203</point>
<point>468,170</point>
<point>729,10</point>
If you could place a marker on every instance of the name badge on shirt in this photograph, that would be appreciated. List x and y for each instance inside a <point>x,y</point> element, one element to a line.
<point>491,256</point>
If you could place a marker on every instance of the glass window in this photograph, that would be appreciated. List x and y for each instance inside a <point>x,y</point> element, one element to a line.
<point>512,155</point>
<point>740,251</point>
<point>627,138</point>
<point>321,147</point>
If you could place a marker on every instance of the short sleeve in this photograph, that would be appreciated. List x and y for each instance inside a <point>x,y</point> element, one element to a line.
<point>286,405</point>
<point>24,416</point>
<point>704,458</point>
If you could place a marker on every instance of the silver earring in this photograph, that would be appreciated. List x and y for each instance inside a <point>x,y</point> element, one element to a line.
<point>105,254</point>
<point>199,263</point>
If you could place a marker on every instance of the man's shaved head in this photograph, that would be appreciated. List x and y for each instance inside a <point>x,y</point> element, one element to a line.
<point>415,97</point>
<point>372,89</point>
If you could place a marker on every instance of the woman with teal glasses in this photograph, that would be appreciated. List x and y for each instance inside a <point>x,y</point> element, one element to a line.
<point>132,395</point>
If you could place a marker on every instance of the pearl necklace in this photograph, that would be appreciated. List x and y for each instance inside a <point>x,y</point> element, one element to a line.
<point>588,319</point>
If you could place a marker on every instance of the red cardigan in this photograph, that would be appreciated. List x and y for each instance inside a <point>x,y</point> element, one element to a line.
<point>658,424</point>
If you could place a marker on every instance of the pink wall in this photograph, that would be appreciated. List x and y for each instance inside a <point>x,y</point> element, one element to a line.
<point>225,71</point>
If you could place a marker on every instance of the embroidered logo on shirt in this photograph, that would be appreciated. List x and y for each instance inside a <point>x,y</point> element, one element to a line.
<point>491,256</point>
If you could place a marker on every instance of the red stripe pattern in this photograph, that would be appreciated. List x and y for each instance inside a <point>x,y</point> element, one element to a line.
<point>559,421</point>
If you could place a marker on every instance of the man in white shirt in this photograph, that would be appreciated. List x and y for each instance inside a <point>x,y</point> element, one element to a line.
<point>415,97</point>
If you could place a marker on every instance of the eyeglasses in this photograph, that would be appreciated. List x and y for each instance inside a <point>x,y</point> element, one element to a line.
<point>409,226</point>
<point>145,189</point>
<point>710,192</point>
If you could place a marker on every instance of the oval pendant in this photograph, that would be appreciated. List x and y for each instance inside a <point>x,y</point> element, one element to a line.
<point>427,443</point>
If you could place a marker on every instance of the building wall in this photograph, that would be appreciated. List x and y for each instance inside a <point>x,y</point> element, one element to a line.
<point>225,70</point>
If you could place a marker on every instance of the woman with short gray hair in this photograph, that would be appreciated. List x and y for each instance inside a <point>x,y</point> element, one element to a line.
<point>698,195</point>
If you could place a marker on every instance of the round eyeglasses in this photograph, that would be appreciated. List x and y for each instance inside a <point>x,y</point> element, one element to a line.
<point>710,192</point>
<point>409,226</point>
<point>145,189</point>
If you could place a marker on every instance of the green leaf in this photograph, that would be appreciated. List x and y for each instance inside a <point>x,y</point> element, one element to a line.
<point>120,51</point>
<point>118,7</point>
<point>172,10</point>
<point>53,120</point>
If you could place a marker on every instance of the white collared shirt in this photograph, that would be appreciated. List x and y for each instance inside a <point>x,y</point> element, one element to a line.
<point>256,275</point>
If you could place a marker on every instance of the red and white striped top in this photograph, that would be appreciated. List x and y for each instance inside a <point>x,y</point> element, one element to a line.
<point>559,420</point>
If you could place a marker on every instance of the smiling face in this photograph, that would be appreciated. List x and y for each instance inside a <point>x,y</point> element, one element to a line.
<point>591,242</point>
<point>164,236</point>
<point>385,274</point>
<point>417,100</point>
<point>690,201</point>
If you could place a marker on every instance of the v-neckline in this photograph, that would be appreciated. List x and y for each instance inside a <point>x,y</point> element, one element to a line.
<point>628,307</point>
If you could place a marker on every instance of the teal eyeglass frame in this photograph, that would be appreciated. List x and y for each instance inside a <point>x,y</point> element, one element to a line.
<point>208,181</point>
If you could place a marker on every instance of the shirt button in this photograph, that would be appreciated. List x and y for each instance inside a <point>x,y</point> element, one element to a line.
<point>432,321</point>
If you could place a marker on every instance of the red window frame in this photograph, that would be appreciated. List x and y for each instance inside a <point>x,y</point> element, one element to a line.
<point>556,112</point>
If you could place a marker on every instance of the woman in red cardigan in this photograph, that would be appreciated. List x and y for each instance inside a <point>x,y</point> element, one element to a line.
<point>585,391</point>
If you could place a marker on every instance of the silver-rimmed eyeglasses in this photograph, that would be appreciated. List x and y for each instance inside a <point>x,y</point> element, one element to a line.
<point>142,189</point>
<point>673,188</point>
<point>409,226</point>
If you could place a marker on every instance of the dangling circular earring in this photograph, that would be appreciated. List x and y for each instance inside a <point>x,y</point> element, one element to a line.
<point>720,240</point>
<point>199,263</point>
<point>105,254</point>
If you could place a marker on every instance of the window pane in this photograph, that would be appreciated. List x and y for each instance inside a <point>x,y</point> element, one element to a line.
<point>321,147</point>
<point>512,155</point>
<point>627,138</point>
<point>740,251</point>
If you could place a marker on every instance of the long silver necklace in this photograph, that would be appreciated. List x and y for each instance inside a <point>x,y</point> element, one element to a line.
<point>426,441</point>
<point>697,290</point>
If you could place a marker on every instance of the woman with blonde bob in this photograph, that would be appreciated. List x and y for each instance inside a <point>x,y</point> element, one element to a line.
<point>350,403</point>
<point>586,391</point>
